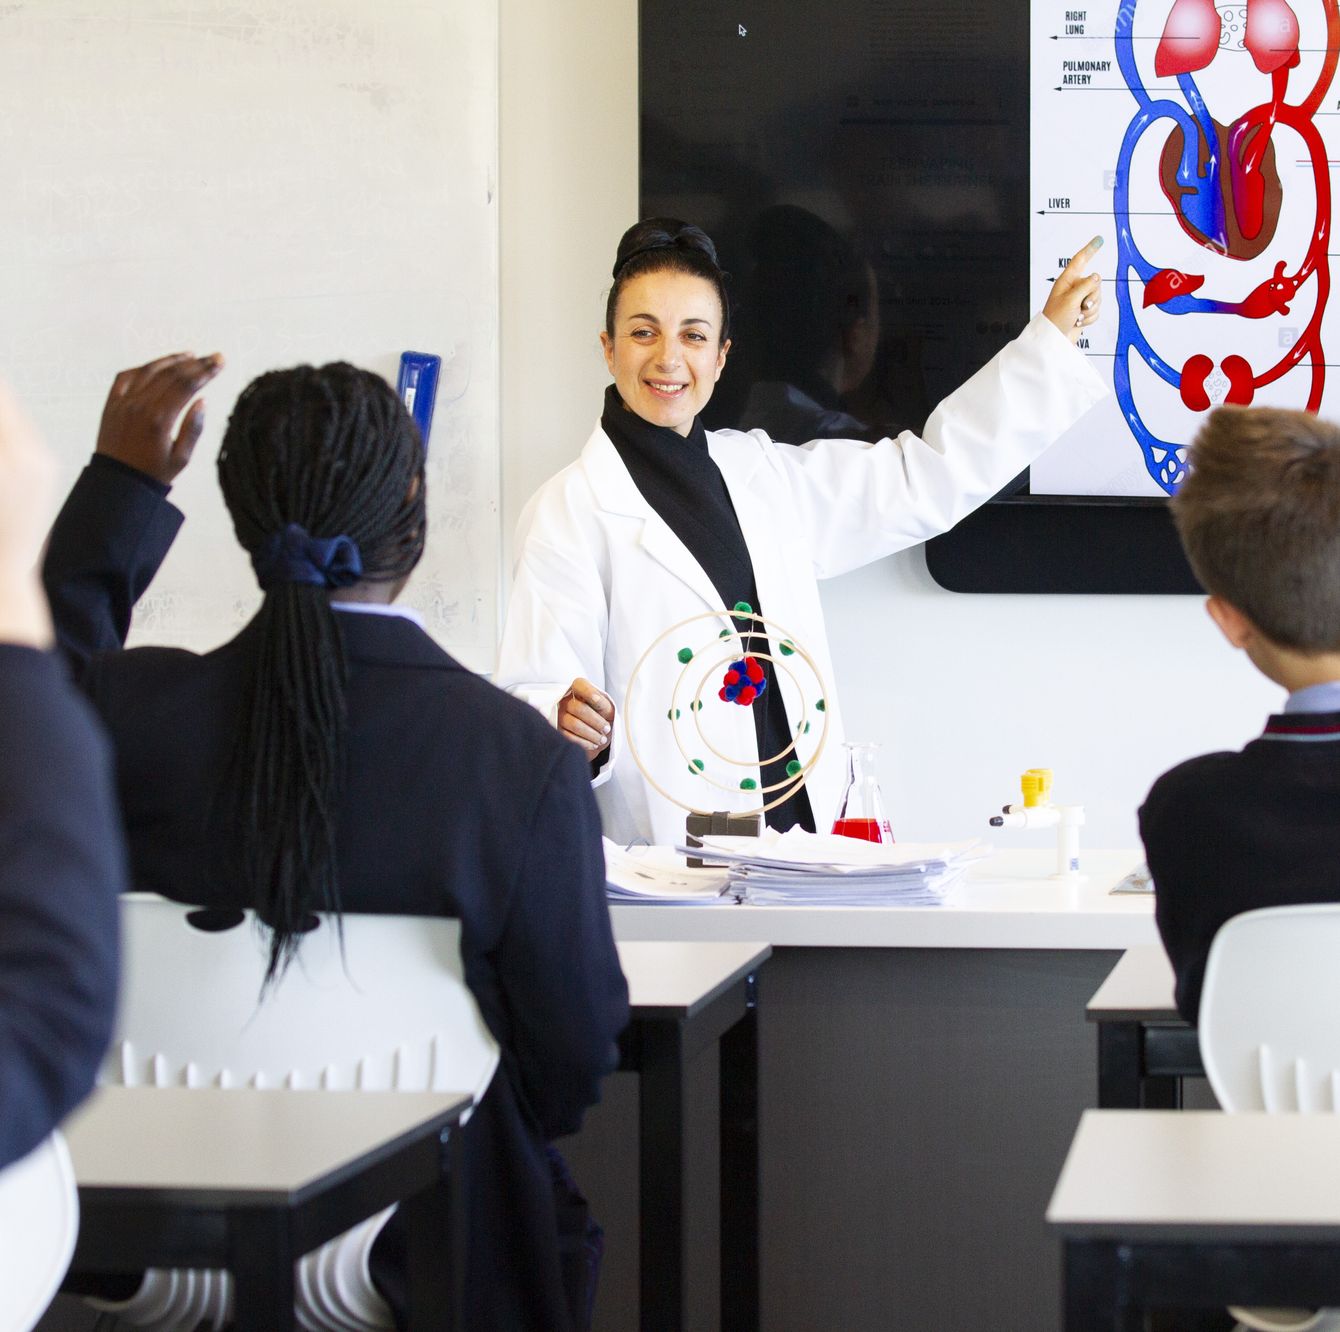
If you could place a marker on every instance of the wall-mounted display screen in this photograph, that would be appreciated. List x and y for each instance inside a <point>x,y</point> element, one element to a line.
<point>893,184</point>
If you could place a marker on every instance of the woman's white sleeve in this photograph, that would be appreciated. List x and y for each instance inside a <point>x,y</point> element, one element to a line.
<point>862,501</point>
<point>557,614</point>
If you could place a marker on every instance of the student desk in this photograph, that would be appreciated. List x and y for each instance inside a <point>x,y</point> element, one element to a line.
<point>921,1071</point>
<point>251,1180</point>
<point>1197,1209</point>
<point>684,998</point>
<point>1144,1047</point>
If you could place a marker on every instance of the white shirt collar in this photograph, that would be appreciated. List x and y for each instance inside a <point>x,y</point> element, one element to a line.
<point>381,608</point>
<point>1324,697</point>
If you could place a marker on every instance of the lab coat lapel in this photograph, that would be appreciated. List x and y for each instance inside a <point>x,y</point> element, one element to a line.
<point>616,493</point>
<point>739,460</point>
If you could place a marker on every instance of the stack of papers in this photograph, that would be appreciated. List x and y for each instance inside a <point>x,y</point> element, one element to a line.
<point>819,869</point>
<point>658,874</point>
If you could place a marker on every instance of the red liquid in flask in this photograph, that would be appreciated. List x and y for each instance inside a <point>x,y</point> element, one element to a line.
<point>861,811</point>
<point>866,830</point>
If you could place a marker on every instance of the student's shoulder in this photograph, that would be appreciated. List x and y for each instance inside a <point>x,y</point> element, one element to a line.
<point>511,736</point>
<point>1197,788</point>
<point>473,697</point>
<point>142,667</point>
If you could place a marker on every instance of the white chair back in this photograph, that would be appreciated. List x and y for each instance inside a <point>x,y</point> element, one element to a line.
<point>388,1011</point>
<point>39,1220</point>
<point>384,1008</point>
<point>1270,1010</point>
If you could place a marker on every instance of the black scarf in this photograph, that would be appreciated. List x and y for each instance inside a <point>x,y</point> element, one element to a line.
<point>677,477</point>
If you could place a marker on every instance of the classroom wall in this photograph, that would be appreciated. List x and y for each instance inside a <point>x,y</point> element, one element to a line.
<point>310,181</point>
<point>963,692</point>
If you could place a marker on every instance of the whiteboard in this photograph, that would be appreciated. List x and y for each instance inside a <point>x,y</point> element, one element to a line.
<point>286,181</point>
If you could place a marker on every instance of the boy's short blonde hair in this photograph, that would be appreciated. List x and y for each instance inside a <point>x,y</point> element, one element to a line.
<point>1259,516</point>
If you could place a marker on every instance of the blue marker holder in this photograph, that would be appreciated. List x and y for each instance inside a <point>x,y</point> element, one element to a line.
<point>417,387</point>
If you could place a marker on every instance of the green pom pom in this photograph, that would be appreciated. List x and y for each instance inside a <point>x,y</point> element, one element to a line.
<point>793,768</point>
<point>673,714</point>
<point>696,705</point>
<point>748,784</point>
<point>786,647</point>
<point>726,633</point>
<point>696,766</point>
<point>685,655</point>
<point>744,608</point>
<point>819,706</point>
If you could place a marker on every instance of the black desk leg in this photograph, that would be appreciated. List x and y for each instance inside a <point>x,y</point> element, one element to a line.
<point>1161,1093</point>
<point>261,1261</point>
<point>1093,1289</point>
<point>740,1170</point>
<point>1119,1065</point>
<point>661,1172</point>
<point>435,1229</point>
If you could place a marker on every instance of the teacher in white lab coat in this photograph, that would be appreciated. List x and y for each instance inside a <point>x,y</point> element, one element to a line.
<point>659,521</point>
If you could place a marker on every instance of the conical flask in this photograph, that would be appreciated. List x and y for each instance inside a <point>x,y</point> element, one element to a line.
<point>861,810</point>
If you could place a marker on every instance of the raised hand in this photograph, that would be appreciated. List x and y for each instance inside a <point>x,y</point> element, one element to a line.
<point>1076,295</point>
<point>140,421</point>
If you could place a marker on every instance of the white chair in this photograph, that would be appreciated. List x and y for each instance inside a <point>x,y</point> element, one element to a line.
<point>39,1220</point>
<point>384,1008</point>
<point>1269,1037</point>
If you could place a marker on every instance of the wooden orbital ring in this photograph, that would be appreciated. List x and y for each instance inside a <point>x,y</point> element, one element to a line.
<point>715,616</point>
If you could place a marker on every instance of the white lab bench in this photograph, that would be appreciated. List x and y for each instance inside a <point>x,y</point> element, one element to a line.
<point>922,1071</point>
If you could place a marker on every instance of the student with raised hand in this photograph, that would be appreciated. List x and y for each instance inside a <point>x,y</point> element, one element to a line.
<point>62,860</point>
<point>660,520</point>
<point>332,756</point>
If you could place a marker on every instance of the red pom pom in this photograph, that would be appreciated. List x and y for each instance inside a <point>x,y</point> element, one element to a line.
<point>732,677</point>
<point>746,695</point>
<point>753,669</point>
<point>721,694</point>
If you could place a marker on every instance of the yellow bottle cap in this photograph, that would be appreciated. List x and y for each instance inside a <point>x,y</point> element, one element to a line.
<point>1036,784</point>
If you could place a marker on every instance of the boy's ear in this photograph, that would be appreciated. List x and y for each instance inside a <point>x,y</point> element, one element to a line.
<point>1233,624</point>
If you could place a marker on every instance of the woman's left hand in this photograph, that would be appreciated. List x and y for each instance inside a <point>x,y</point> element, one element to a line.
<point>1076,296</point>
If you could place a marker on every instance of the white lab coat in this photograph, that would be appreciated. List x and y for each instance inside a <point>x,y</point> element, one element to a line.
<point>599,576</point>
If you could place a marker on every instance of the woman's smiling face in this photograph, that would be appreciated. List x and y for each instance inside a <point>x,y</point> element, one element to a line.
<point>666,353</point>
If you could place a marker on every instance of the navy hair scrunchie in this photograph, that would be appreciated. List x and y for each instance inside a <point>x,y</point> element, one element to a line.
<point>295,556</point>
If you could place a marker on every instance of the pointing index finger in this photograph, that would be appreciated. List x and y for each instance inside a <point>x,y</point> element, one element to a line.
<point>1079,261</point>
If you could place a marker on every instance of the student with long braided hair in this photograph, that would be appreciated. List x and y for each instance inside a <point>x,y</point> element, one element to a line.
<point>332,757</point>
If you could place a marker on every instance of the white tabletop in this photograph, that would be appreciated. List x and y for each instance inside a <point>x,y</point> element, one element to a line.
<point>682,977</point>
<point>1008,901</point>
<point>264,1142</point>
<point>1138,988</point>
<point>1185,1174</point>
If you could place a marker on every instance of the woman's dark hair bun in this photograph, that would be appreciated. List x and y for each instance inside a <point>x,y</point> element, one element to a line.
<point>659,243</point>
<point>663,233</point>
